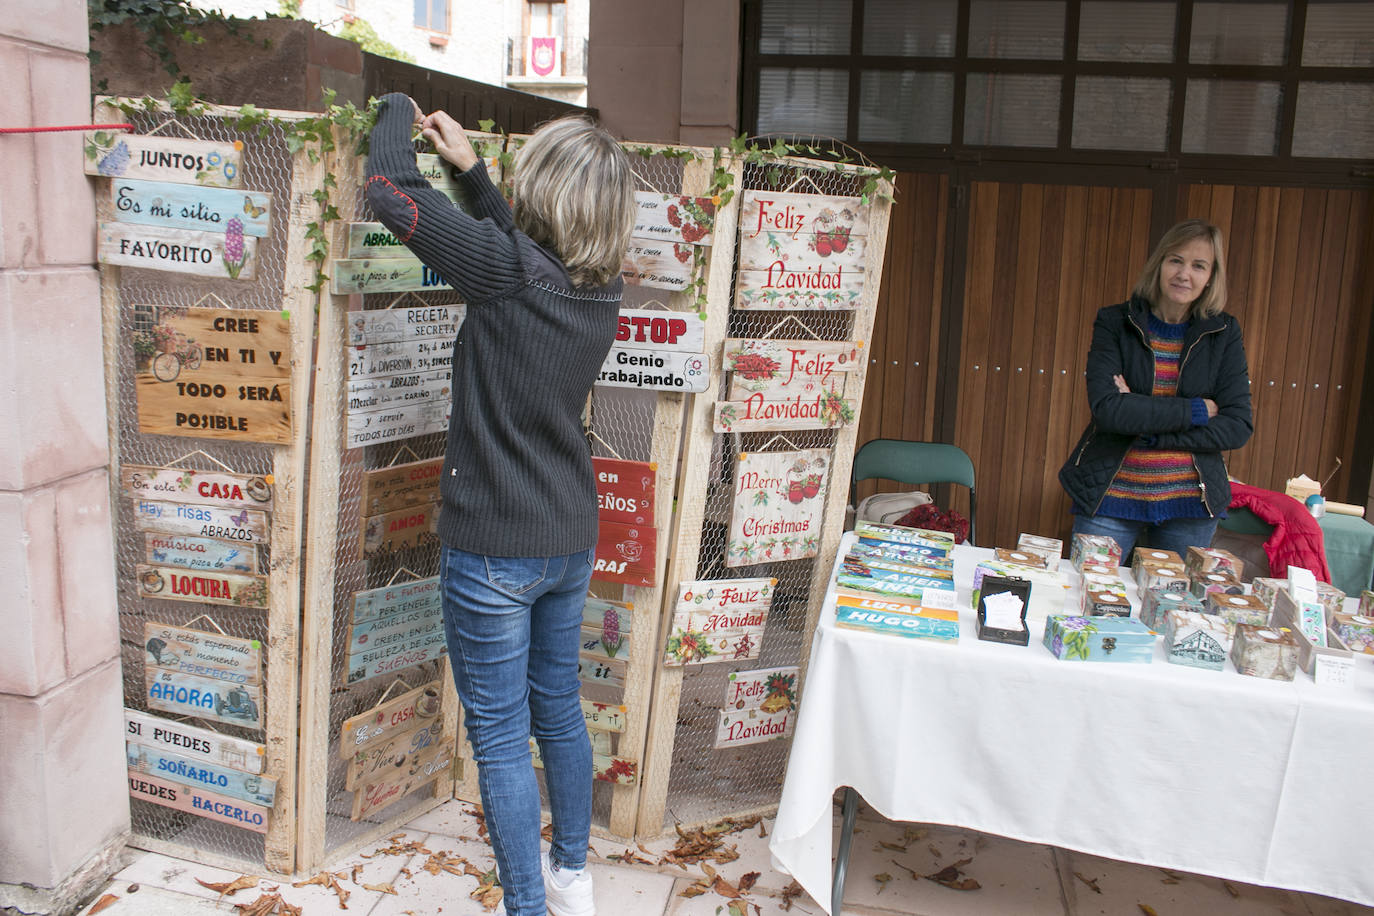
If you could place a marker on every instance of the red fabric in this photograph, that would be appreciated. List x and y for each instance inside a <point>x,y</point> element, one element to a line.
<point>1297,538</point>
<point>933,518</point>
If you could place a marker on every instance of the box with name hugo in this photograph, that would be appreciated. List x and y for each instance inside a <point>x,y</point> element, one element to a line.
<point>1099,639</point>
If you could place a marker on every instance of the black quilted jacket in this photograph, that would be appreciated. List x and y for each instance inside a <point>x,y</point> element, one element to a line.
<point>1212,366</point>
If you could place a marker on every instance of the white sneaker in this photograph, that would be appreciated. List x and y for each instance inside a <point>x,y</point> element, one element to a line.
<point>567,892</point>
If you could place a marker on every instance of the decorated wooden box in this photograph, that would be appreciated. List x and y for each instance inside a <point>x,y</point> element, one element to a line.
<point>1238,608</point>
<point>1099,639</point>
<point>1224,582</point>
<point>1321,651</point>
<point>1213,559</point>
<point>1002,604</point>
<point>1169,578</point>
<point>1264,652</point>
<point>1196,639</point>
<point>1367,603</point>
<point>1157,602</point>
<point>1330,597</point>
<point>1094,548</point>
<point>1143,557</point>
<point>1048,588</point>
<point>1051,549</point>
<point>1355,630</point>
<point>1105,603</point>
<point>1020,557</point>
<point>1100,569</point>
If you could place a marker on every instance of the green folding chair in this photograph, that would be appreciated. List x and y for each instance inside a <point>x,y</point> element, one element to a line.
<point>916,463</point>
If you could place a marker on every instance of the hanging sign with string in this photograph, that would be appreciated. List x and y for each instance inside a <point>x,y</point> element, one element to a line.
<point>157,158</point>
<point>776,510</point>
<point>800,251</point>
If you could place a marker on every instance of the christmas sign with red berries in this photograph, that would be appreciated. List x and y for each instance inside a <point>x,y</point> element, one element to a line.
<point>801,251</point>
<point>718,620</point>
<point>776,512</point>
<point>669,218</point>
<point>782,368</point>
<point>657,264</point>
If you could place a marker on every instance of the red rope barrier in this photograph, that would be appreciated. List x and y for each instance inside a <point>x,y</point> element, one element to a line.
<point>43,130</point>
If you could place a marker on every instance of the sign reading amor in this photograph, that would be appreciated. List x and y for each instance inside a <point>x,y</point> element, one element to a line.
<point>226,255</point>
<point>782,368</point>
<point>719,620</point>
<point>215,374</point>
<point>776,512</point>
<point>203,162</point>
<point>800,251</point>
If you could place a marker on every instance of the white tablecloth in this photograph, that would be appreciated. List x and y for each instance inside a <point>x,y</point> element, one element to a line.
<point>1260,781</point>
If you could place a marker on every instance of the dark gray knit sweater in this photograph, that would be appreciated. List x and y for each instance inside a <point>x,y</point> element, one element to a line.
<point>517,468</point>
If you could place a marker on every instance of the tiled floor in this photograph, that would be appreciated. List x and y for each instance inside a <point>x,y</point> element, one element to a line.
<point>1012,877</point>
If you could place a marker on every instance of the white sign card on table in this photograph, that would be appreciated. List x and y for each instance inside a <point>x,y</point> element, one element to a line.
<point>718,620</point>
<point>800,251</point>
<point>777,506</point>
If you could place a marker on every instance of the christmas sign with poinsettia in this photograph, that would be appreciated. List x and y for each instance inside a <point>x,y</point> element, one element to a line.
<point>776,514</point>
<point>718,620</point>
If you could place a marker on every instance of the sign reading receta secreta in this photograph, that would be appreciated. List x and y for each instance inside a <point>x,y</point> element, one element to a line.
<point>202,586</point>
<point>800,251</point>
<point>153,158</point>
<point>421,321</point>
<point>190,741</point>
<point>625,490</point>
<point>227,255</point>
<point>718,620</point>
<point>201,652</point>
<point>207,488</point>
<point>626,554</point>
<point>776,510</point>
<point>371,727</point>
<point>214,373</point>
<point>184,206</point>
<point>779,369</point>
<point>204,698</point>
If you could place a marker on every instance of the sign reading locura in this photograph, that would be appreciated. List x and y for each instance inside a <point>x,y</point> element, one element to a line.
<point>209,805</point>
<point>396,783</point>
<point>383,275</point>
<point>399,529</point>
<point>193,742</point>
<point>420,595</point>
<point>625,490</point>
<point>626,554</point>
<point>207,488</point>
<point>369,663</point>
<point>202,587</point>
<point>247,787</point>
<point>227,255</point>
<point>750,726</point>
<point>401,751</point>
<point>800,251</point>
<point>368,729</point>
<point>777,506</point>
<point>242,526</point>
<point>781,368</point>
<point>657,264</point>
<point>669,218</point>
<point>203,698</point>
<point>396,325</point>
<point>199,553</point>
<point>154,158</point>
<point>648,370</point>
<point>769,689</point>
<point>647,329</point>
<point>200,652</point>
<point>401,486</point>
<point>184,206</point>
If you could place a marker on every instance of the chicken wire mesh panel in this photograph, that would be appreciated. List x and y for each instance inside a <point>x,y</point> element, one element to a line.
<point>144,297</point>
<point>707,783</point>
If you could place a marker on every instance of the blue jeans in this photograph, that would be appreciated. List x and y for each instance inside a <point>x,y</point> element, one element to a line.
<point>513,626</point>
<point>1176,534</point>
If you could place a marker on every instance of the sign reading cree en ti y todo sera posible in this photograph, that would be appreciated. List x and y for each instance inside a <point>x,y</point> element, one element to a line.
<point>368,729</point>
<point>202,586</point>
<point>625,490</point>
<point>399,389</point>
<point>185,206</point>
<point>400,486</point>
<point>800,251</point>
<point>215,374</point>
<point>247,526</point>
<point>780,369</point>
<point>625,554</point>
<point>383,275</point>
<point>201,652</point>
<point>236,784</point>
<point>204,698</point>
<point>227,255</point>
<point>657,264</point>
<point>153,158</point>
<point>776,510</point>
<point>193,742</point>
<point>199,553</point>
<point>208,488</point>
<point>719,620</point>
<point>209,805</point>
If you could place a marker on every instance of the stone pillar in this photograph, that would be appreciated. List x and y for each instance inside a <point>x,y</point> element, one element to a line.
<point>64,810</point>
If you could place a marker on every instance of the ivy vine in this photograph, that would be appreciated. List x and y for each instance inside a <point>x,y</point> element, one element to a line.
<point>162,23</point>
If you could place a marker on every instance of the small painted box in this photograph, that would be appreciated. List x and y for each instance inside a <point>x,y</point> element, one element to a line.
<point>1330,597</point>
<point>1094,548</point>
<point>1100,569</point>
<point>1047,595</point>
<point>1204,582</point>
<point>1020,558</point>
<point>1367,603</point>
<point>997,619</point>
<point>1105,603</point>
<point>1052,549</point>
<point>1265,587</point>
<point>1238,608</point>
<point>1196,639</point>
<point>1142,557</point>
<point>1326,657</point>
<point>1156,603</point>
<point>1355,630</point>
<point>1099,639</point>
<point>1264,652</point>
<point>1102,582</point>
<point>1169,578</point>
<point>1214,559</point>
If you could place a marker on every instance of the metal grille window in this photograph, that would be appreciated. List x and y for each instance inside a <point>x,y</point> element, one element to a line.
<point>906,106</point>
<point>803,101</point>
<point>1134,30</point>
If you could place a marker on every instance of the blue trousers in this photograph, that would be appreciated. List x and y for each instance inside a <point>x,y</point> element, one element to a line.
<point>1177,534</point>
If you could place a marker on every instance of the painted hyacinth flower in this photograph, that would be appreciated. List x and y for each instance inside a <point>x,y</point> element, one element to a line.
<point>115,161</point>
<point>610,632</point>
<point>234,252</point>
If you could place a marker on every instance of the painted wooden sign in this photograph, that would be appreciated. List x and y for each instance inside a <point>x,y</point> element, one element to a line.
<point>647,329</point>
<point>400,393</point>
<point>597,643</point>
<point>607,671</point>
<point>399,486</point>
<point>648,370</point>
<point>800,251</point>
<point>599,612</point>
<point>399,358</point>
<point>236,784</point>
<point>603,717</point>
<point>207,488</point>
<point>625,490</point>
<point>227,255</point>
<point>399,752</point>
<point>185,206</point>
<point>769,689</point>
<point>199,553</point>
<point>394,628</point>
<point>657,264</point>
<point>371,727</point>
<point>782,368</point>
<point>383,275</point>
<point>400,529</point>
<point>760,413</point>
<point>669,218</point>
<point>398,389</point>
<point>202,586</point>
<point>193,742</point>
<point>396,325</point>
<point>367,240</point>
<point>442,175</point>
<point>395,785</point>
<point>719,620</point>
<point>215,373</point>
<point>392,425</point>
<point>202,652</point>
<point>389,659</point>
<point>625,554</point>
<point>244,526</point>
<point>191,800</point>
<point>777,506</point>
<point>751,726</point>
<point>154,158</point>
<point>203,698</point>
<point>421,595</point>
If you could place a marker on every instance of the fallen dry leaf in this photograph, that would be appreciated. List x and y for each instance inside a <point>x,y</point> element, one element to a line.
<point>354,876</point>
<point>101,904</point>
<point>738,907</point>
<point>763,829</point>
<point>895,847</point>
<point>229,888</point>
<point>789,893</point>
<point>692,890</point>
<point>131,889</point>
<point>1230,889</point>
<point>488,892</point>
<point>724,888</point>
<point>263,906</point>
<point>630,857</point>
<point>747,881</point>
<point>949,877</point>
<point>980,844</point>
<point>290,910</point>
<point>882,881</point>
<point>382,888</point>
<point>1147,909</point>
<point>1091,882</point>
<point>326,879</point>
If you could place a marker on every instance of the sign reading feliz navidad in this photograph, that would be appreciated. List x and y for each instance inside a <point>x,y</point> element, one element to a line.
<point>719,620</point>
<point>800,251</point>
<point>776,511</point>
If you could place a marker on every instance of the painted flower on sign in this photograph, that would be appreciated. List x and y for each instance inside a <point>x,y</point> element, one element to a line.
<point>235,254</point>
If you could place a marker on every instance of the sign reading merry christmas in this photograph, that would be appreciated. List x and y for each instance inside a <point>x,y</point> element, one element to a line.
<point>776,513</point>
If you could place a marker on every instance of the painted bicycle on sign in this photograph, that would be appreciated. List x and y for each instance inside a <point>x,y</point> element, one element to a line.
<point>175,350</point>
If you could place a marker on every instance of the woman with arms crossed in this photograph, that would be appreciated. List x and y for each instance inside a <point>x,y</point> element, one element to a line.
<point>1169,391</point>
<point>519,511</point>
